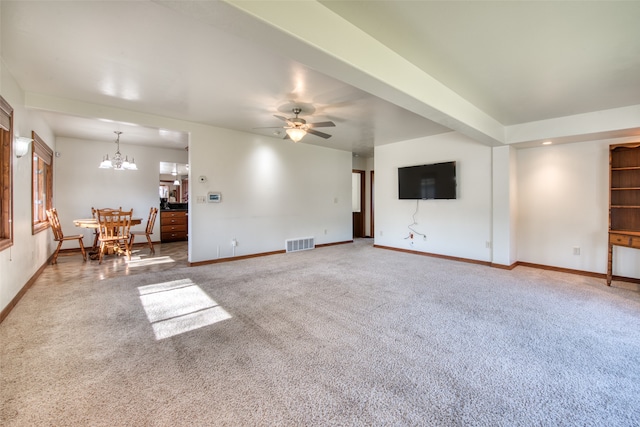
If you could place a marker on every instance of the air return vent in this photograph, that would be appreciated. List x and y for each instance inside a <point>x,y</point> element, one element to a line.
<point>303,244</point>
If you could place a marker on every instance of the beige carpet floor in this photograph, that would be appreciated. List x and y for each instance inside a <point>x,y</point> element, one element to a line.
<point>347,335</point>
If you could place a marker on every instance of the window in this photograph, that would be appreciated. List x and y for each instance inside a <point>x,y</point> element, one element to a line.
<point>41,183</point>
<point>6,174</point>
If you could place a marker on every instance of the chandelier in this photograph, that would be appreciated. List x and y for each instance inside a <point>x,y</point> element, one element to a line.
<point>118,163</point>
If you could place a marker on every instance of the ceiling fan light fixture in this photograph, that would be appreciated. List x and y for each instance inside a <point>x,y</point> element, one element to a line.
<point>296,134</point>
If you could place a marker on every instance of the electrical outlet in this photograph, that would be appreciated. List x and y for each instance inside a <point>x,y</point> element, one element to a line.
<point>576,250</point>
<point>487,244</point>
<point>234,243</point>
<point>200,199</point>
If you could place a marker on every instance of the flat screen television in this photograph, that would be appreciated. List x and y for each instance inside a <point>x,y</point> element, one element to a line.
<point>434,181</point>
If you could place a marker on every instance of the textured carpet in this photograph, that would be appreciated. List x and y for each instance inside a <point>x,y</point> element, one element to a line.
<point>343,335</point>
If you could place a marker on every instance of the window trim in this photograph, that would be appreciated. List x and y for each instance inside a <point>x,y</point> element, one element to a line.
<point>42,150</point>
<point>6,174</point>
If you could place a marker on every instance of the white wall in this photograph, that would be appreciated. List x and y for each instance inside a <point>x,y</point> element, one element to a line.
<point>460,227</point>
<point>29,252</point>
<point>555,198</point>
<point>563,203</point>
<point>80,185</point>
<point>272,190</point>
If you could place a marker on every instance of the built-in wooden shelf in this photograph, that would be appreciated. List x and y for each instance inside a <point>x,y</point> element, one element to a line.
<point>629,168</point>
<point>624,199</point>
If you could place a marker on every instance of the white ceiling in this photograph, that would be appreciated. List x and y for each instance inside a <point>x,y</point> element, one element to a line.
<point>170,170</point>
<point>517,61</point>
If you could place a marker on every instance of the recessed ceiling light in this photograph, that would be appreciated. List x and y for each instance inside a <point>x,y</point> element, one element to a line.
<point>547,143</point>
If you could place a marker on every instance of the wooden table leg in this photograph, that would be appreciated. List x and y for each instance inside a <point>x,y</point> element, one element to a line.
<point>610,265</point>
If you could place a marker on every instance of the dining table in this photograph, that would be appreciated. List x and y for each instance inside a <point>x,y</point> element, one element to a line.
<point>92,223</point>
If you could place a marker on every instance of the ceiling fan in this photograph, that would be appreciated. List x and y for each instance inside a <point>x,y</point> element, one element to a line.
<point>297,128</point>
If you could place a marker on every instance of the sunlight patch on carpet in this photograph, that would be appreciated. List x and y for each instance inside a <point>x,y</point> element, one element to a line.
<point>138,261</point>
<point>179,306</point>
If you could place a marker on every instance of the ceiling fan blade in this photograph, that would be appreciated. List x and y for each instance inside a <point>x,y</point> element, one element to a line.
<point>284,119</point>
<point>321,125</point>
<point>320,134</point>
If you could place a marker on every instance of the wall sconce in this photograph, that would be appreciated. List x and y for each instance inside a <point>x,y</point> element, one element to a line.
<point>21,145</point>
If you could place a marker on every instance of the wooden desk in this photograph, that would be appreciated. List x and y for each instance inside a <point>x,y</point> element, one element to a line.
<point>629,239</point>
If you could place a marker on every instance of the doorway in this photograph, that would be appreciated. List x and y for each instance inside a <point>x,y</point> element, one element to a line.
<point>174,202</point>
<point>174,185</point>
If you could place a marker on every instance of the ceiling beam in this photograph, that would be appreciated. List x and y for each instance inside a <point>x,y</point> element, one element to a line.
<point>620,122</point>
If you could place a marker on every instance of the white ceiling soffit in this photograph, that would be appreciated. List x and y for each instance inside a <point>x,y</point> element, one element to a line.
<point>71,126</point>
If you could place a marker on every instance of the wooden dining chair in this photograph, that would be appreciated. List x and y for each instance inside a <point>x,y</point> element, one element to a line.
<point>96,232</point>
<point>153,212</point>
<point>115,231</point>
<point>58,235</point>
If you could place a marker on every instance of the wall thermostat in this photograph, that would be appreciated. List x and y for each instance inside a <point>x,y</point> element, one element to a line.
<point>214,197</point>
<point>202,178</point>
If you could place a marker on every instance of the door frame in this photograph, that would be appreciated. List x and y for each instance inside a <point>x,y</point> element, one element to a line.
<point>362,203</point>
<point>371,193</point>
